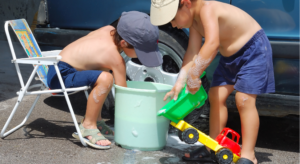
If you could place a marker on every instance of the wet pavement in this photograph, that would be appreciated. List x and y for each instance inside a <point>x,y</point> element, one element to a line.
<point>47,135</point>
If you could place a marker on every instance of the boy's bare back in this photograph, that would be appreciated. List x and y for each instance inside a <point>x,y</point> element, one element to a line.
<point>235,26</point>
<point>95,51</point>
<point>100,49</point>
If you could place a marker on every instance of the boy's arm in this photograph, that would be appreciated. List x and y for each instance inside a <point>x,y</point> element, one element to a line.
<point>194,45</point>
<point>207,53</point>
<point>119,73</point>
<point>195,41</point>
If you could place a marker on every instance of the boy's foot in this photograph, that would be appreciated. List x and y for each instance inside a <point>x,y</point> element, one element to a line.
<point>104,129</point>
<point>93,138</point>
<point>246,161</point>
<point>200,154</point>
<point>105,142</point>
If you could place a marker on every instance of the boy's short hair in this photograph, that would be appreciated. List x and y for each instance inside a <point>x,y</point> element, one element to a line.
<point>163,11</point>
<point>117,38</point>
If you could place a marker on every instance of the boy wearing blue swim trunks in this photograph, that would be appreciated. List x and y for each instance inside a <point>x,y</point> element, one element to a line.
<point>245,65</point>
<point>88,60</point>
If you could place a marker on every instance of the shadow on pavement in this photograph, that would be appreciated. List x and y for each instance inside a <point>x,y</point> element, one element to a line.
<point>176,159</point>
<point>49,129</point>
<point>280,133</point>
<point>78,102</point>
<point>263,157</point>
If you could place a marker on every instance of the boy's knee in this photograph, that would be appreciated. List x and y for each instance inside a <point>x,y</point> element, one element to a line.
<point>215,97</point>
<point>243,100</point>
<point>240,101</point>
<point>105,78</point>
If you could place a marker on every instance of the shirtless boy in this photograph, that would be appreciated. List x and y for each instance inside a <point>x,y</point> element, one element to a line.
<point>88,60</point>
<point>245,65</point>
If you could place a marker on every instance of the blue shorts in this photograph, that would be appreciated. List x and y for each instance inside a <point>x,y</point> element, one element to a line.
<point>71,77</point>
<point>250,70</point>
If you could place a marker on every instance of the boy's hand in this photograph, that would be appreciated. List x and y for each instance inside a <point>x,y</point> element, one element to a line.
<point>193,81</point>
<point>173,94</point>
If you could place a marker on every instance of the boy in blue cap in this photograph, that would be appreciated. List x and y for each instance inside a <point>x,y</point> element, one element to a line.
<point>88,60</point>
<point>245,65</point>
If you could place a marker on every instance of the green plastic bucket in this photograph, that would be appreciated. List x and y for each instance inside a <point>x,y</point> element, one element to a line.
<point>136,124</point>
<point>185,104</point>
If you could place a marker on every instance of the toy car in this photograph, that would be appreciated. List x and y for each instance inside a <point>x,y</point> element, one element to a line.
<point>226,149</point>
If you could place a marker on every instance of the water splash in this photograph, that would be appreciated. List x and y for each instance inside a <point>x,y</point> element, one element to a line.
<point>129,157</point>
<point>171,160</point>
<point>146,158</point>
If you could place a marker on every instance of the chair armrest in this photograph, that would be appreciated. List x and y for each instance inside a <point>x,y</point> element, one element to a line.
<point>38,60</point>
<point>50,53</point>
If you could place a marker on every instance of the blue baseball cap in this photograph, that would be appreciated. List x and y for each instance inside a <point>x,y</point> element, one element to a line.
<point>136,29</point>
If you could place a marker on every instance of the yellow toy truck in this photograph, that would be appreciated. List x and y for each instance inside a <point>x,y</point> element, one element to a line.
<point>226,149</point>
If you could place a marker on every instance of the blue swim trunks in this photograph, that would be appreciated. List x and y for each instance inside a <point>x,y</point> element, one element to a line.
<point>250,70</point>
<point>71,77</point>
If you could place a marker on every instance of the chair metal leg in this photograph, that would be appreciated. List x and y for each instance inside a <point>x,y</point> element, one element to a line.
<point>86,94</point>
<point>69,105</point>
<point>74,118</point>
<point>2,135</point>
<point>20,98</point>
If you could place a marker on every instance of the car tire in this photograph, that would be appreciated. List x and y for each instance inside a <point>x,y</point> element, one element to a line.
<point>177,41</point>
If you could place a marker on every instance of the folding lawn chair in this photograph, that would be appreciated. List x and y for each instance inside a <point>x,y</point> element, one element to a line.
<point>40,61</point>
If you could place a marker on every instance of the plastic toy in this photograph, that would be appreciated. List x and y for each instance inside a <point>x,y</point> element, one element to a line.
<point>225,146</point>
